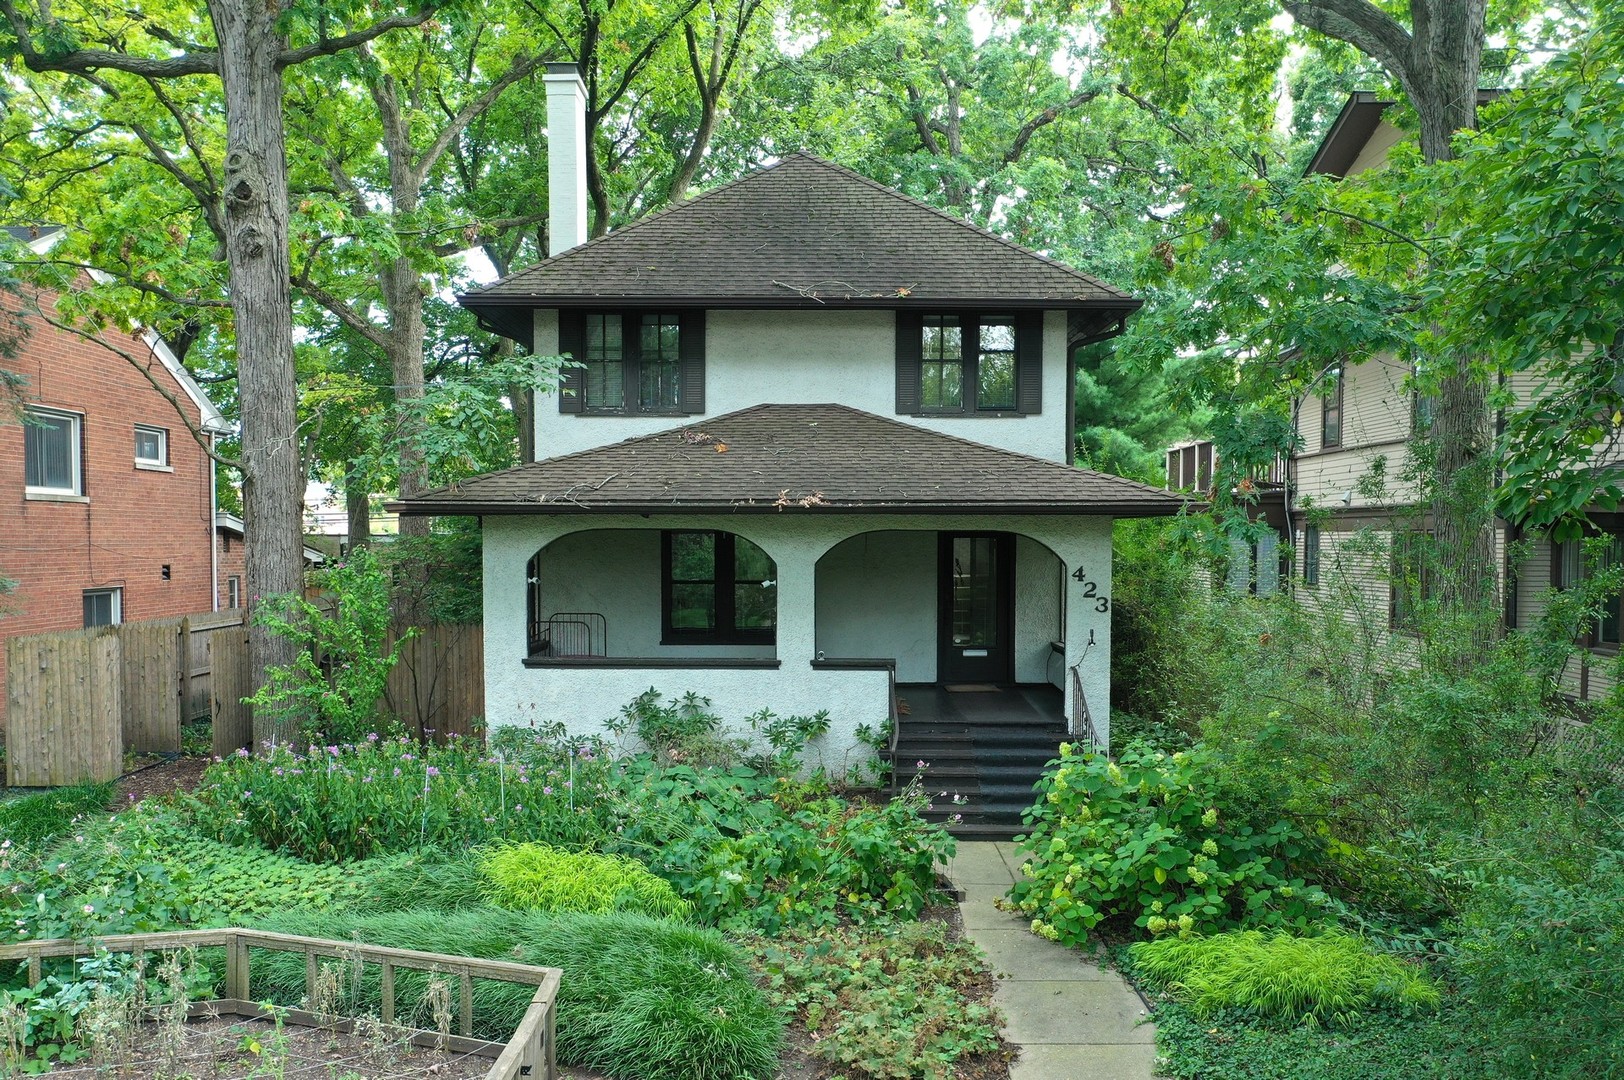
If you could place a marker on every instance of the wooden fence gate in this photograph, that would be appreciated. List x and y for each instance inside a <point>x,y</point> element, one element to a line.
<point>64,698</point>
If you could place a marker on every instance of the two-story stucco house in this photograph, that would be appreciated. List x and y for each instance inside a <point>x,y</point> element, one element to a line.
<point>1360,425</point>
<point>816,447</point>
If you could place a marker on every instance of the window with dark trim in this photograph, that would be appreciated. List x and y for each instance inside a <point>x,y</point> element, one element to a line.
<point>1311,555</point>
<point>1331,411</point>
<point>1569,567</point>
<point>649,363</point>
<point>1413,580</point>
<point>716,589</point>
<point>969,365</point>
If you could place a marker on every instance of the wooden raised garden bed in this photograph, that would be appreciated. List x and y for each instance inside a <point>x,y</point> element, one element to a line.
<point>529,1055</point>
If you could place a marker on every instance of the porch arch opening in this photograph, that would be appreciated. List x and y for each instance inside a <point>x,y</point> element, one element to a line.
<point>650,594</point>
<point>923,599</point>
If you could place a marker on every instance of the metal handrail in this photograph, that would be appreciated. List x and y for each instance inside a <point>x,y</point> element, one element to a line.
<point>1082,718</point>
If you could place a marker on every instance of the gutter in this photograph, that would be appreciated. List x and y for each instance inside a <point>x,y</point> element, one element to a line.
<point>1170,508</point>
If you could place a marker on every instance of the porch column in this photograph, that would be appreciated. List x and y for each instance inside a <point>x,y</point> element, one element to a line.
<point>797,562</point>
<point>1088,624</point>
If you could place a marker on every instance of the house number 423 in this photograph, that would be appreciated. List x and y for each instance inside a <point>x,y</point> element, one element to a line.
<point>1091,590</point>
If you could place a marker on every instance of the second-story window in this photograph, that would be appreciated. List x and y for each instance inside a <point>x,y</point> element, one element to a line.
<point>1331,406</point>
<point>985,365</point>
<point>151,446</point>
<point>631,363</point>
<point>51,454</point>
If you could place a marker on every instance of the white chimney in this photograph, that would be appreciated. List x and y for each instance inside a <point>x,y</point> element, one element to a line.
<point>566,158</point>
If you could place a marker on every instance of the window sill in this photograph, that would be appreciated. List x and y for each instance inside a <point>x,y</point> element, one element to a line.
<point>153,466</point>
<point>54,496</point>
<point>971,414</point>
<point>855,663</point>
<point>628,414</point>
<point>757,663</point>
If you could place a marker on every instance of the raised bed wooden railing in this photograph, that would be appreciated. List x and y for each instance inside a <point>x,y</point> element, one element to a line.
<point>530,1053</point>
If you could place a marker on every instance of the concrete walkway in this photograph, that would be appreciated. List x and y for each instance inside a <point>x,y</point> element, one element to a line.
<point>1072,1019</point>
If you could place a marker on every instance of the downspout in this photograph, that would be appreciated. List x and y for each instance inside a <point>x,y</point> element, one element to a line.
<point>214,523</point>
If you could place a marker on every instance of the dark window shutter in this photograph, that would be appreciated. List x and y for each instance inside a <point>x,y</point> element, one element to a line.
<point>572,340</point>
<point>909,331</point>
<point>691,351</point>
<point>1029,362</point>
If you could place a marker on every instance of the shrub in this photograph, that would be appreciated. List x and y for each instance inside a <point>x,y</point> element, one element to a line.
<point>384,796</point>
<point>1151,840</point>
<point>28,821</point>
<point>641,999</point>
<point>333,688</point>
<point>430,878</point>
<point>758,852</point>
<point>888,1003</point>
<point>535,877</point>
<point>1332,977</point>
<point>1539,963</point>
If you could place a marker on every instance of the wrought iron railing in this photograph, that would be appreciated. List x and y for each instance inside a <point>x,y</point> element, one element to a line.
<point>1082,719</point>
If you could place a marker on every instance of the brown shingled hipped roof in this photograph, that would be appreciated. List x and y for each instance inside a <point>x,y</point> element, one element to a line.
<point>802,233</point>
<point>796,459</point>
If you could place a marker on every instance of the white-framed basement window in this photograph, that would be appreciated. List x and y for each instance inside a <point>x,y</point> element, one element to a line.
<point>52,463</point>
<point>103,607</point>
<point>151,447</point>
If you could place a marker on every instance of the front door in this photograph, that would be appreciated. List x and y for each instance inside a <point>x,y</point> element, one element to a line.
<point>977,595</point>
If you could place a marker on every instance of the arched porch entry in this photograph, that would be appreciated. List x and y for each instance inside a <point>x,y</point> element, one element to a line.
<point>650,593</point>
<point>963,612</point>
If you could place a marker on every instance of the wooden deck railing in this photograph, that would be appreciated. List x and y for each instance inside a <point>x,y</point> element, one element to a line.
<point>530,1053</point>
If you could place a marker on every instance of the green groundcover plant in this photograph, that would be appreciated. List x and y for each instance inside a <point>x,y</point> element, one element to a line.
<point>641,998</point>
<point>1150,841</point>
<point>1333,977</point>
<point>28,821</point>
<point>884,1002</point>
<point>536,877</point>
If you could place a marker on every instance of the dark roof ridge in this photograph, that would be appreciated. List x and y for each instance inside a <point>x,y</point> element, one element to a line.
<point>844,170</point>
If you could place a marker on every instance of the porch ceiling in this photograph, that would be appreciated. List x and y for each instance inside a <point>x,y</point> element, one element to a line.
<point>797,459</point>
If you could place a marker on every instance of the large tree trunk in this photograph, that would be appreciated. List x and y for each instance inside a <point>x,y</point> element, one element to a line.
<point>358,509</point>
<point>402,288</point>
<point>256,218</point>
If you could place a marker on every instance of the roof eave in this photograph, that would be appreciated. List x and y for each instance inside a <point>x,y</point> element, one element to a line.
<point>426,508</point>
<point>481,302</point>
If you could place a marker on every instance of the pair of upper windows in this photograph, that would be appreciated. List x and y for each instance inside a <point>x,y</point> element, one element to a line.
<point>53,451</point>
<point>653,363</point>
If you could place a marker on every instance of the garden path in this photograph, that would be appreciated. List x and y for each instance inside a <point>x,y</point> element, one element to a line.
<point>1071,1018</point>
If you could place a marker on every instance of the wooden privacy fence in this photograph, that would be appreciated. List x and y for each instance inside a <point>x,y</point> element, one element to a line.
<point>530,1053</point>
<point>64,708</point>
<point>437,688</point>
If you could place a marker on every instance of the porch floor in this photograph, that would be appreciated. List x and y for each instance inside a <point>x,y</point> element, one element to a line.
<point>932,704</point>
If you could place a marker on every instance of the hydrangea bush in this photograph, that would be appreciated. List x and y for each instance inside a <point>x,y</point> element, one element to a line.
<point>1147,841</point>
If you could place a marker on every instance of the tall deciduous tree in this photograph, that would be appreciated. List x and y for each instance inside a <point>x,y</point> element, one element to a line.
<point>250,49</point>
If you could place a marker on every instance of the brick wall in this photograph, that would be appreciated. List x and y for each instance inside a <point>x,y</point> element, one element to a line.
<point>233,564</point>
<point>131,524</point>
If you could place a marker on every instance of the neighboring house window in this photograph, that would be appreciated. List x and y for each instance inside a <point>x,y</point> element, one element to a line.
<point>969,364</point>
<point>1569,569</point>
<point>233,591</point>
<point>1423,407</point>
<point>717,588</point>
<point>1311,555</point>
<point>649,363</point>
<point>151,446</point>
<point>104,607</point>
<point>1413,581</point>
<point>51,455</point>
<point>1331,414</point>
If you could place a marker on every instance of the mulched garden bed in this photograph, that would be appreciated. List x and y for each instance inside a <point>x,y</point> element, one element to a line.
<point>237,1049</point>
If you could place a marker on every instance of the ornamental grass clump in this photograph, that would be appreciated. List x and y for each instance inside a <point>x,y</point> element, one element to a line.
<point>1330,978</point>
<point>536,877</point>
<point>384,796</point>
<point>1152,841</point>
<point>641,998</point>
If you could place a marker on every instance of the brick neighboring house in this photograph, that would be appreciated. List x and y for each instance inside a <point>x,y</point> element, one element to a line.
<point>112,500</point>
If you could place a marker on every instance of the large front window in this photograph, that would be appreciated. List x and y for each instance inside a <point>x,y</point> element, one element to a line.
<point>718,589</point>
<point>51,452</point>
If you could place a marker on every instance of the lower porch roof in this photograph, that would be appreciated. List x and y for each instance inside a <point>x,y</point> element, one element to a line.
<point>796,459</point>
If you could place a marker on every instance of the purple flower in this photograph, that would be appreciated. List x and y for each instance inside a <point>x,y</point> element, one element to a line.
<point>397,772</point>
<point>433,771</point>
<point>372,736</point>
<point>366,779</point>
<point>546,791</point>
<point>518,808</point>
<point>333,750</point>
<point>242,751</point>
<point>920,764</point>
